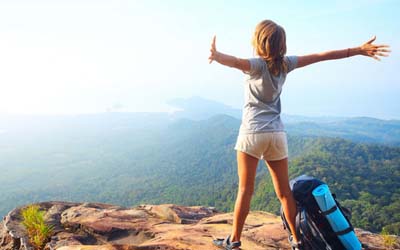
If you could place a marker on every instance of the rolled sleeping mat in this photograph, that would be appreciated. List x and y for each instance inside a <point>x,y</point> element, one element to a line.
<point>336,218</point>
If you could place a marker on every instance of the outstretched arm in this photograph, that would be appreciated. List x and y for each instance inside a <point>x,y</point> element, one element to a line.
<point>367,49</point>
<point>227,60</point>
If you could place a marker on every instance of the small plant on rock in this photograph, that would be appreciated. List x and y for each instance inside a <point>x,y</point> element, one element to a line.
<point>38,231</point>
<point>390,241</point>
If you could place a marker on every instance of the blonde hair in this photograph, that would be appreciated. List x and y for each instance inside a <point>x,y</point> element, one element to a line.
<point>269,41</point>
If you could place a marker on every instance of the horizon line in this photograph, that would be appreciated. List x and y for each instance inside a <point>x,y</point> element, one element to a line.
<point>2,114</point>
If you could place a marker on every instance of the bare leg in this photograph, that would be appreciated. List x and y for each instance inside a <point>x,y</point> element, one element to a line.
<point>247,168</point>
<point>280,178</point>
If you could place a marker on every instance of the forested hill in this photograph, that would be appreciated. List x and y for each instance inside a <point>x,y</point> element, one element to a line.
<point>121,159</point>
<point>365,178</point>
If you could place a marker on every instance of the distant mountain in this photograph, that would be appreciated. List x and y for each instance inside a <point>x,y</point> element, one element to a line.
<point>359,129</point>
<point>87,122</point>
<point>198,108</point>
<point>315,119</point>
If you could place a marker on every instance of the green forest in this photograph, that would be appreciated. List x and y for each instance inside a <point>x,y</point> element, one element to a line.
<point>134,159</point>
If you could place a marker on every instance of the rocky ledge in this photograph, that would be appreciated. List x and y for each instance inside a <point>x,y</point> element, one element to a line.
<point>86,226</point>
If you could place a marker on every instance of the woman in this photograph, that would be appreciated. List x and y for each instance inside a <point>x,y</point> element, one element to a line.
<point>261,134</point>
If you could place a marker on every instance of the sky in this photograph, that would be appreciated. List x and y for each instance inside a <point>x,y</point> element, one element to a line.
<point>79,56</point>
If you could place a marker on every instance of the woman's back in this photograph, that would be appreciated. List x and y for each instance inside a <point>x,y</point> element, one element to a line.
<point>262,105</point>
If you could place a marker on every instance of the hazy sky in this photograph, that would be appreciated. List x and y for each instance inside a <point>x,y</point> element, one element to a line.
<point>92,56</point>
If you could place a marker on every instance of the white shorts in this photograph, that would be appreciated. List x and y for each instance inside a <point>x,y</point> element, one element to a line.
<point>270,146</point>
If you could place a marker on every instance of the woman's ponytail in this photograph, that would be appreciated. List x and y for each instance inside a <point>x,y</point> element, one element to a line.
<point>269,42</point>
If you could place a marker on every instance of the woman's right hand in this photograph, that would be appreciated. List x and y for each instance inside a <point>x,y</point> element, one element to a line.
<point>374,51</point>
<point>213,50</point>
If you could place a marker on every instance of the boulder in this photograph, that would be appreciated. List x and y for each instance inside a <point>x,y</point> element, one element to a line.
<point>100,226</point>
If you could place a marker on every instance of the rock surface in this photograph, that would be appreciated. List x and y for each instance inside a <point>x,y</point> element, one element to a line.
<point>99,226</point>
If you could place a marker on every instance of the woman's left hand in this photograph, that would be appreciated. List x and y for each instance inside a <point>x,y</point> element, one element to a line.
<point>374,51</point>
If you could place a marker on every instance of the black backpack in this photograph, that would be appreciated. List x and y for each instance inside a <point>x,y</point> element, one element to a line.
<point>312,227</point>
